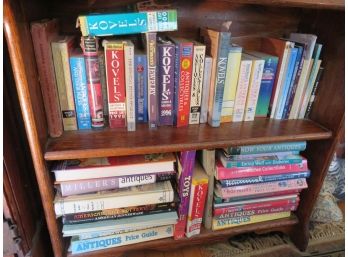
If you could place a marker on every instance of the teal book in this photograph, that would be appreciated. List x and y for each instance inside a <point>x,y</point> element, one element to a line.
<point>267,148</point>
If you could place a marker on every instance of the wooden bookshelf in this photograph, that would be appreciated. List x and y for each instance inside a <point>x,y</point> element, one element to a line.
<point>257,17</point>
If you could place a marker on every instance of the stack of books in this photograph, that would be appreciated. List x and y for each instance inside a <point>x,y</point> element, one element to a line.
<point>258,183</point>
<point>114,201</point>
<point>168,81</point>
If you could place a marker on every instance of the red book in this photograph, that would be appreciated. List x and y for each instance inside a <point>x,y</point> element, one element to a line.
<point>89,46</point>
<point>115,78</point>
<point>42,34</point>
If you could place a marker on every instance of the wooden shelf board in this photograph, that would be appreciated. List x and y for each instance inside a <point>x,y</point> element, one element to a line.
<point>206,236</point>
<point>113,142</point>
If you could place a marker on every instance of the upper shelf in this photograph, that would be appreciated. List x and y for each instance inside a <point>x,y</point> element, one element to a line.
<point>112,142</point>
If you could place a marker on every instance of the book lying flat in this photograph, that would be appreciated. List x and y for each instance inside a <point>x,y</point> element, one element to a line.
<point>161,192</point>
<point>113,166</point>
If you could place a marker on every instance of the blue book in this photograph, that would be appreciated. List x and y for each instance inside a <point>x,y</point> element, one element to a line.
<point>285,89</point>
<point>127,23</point>
<point>140,83</point>
<point>263,179</point>
<point>267,82</point>
<point>80,89</point>
<point>293,82</point>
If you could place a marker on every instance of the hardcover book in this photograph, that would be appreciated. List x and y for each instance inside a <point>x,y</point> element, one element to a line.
<point>43,32</point>
<point>127,23</point>
<point>78,169</point>
<point>197,82</point>
<point>140,82</point>
<point>161,192</point>
<point>166,62</point>
<point>217,44</point>
<point>233,65</point>
<point>61,48</point>
<point>151,50</point>
<point>183,81</point>
<point>101,60</point>
<point>205,89</point>
<point>90,47</point>
<point>185,163</point>
<point>199,188</point>
<point>116,86</point>
<point>79,81</point>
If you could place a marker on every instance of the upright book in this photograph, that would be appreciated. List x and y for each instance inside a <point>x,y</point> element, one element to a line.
<point>43,32</point>
<point>61,49</point>
<point>140,82</point>
<point>205,89</point>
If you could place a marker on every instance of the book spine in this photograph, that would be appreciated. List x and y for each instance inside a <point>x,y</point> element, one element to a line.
<point>79,81</point>
<point>233,65</point>
<point>286,85</point>
<point>293,84</point>
<point>140,81</point>
<point>268,148</point>
<point>266,87</point>
<point>214,112</point>
<point>263,178</point>
<point>151,50</point>
<point>248,163</point>
<point>231,173</point>
<point>196,208</point>
<point>128,23</point>
<point>254,88</point>
<point>261,211</point>
<point>205,89</point>
<point>186,162</point>
<point>197,83</point>
<point>42,35</point>
<point>93,185</point>
<point>61,60</point>
<point>280,76</point>
<point>83,246</point>
<point>255,206</point>
<point>262,188</point>
<point>245,220</point>
<point>242,90</point>
<point>115,73</point>
<point>166,60</point>
<point>86,217</point>
<point>183,86</point>
<point>107,202</point>
<point>314,93</point>
<point>101,59</point>
<point>90,50</point>
<point>130,88</point>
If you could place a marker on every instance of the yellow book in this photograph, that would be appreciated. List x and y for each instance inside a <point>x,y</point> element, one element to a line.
<point>246,220</point>
<point>233,64</point>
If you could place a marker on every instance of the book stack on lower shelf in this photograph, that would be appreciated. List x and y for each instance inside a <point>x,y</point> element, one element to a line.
<point>114,201</point>
<point>258,183</point>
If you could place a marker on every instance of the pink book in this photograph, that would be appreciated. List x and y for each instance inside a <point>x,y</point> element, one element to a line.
<point>241,172</point>
<point>261,188</point>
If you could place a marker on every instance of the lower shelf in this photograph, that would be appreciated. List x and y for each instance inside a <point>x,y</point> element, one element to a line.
<point>206,236</point>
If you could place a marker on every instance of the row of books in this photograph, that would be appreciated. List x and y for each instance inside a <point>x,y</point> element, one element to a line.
<point>126,200</point>
<point>174,81</point>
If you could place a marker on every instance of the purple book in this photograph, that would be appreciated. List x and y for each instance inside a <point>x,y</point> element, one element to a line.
<point>185,168</point>
<point>166,59</point>
<point>93,185</point>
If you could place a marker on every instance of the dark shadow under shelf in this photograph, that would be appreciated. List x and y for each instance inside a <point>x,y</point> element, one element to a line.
<point>112,142</point>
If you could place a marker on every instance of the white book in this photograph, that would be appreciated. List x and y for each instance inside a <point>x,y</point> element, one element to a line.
<point>242,88</point>
<point>82,246</point>
<point>205,89</point>
<point>254,87</point>
<point>309,41</point>
<point>281,77</point>
<point>161,192</point>
<point>197,82</point>
<point>130,87</point>
<point>119,225</point>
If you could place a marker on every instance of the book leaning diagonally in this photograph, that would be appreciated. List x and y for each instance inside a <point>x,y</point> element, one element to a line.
<point>161,192</point>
